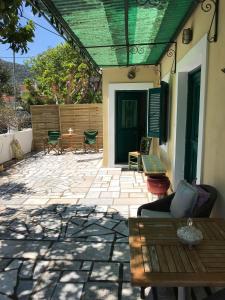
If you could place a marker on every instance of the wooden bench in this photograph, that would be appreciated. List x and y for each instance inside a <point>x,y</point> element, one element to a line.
<point>152,165</point>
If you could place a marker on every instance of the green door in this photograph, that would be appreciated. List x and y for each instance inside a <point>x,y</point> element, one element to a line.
<point>191,146</point>
<point>131,115</point>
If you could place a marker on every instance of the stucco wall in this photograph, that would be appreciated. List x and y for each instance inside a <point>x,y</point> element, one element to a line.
<point>119,75</point>
<point>24,138</point>
<point>213,162</point>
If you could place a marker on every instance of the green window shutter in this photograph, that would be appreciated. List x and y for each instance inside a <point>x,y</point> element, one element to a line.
<point>154,113</point>
<point>158,112</point>
<point>164,97</point>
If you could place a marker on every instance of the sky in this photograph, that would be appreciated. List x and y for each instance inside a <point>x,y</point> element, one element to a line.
<point>42,41</point>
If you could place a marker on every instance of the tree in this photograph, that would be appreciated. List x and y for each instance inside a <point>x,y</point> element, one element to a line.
<point>61,75</point>
<point>5,77</point>
<point>11,29</point>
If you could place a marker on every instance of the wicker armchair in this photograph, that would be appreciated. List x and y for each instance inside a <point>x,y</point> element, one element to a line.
<point>163,204</point>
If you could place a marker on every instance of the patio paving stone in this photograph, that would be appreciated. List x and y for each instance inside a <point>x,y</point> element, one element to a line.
<point>56,245</point>
<point>8,280</point>
<point>23,249</point>
<point>86,265</point>
<point>126,272</point>
<point>130,293</point>
<point>68,291</point>
<point>27,269</point>
<point>94,229</point>
<point>121,252</point>
<point>122,228</point>
<point>105,271</point>
<point>80,250</point>
<point>15,264</point>
<point>74,276</point>
<point>101,291</point>
<point>24,289</point>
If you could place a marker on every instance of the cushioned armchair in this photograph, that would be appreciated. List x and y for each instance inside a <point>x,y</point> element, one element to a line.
<point>162,208</point>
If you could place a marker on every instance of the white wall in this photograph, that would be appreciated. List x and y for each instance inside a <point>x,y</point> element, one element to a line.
<point>24,138</point>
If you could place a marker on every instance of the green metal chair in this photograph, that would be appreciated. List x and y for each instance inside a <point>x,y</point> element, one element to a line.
<point>91,139</point>
<point>134,158</point>
<point>52,142</point>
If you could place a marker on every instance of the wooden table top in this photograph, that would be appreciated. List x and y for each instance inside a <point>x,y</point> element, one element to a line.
<point>152,165</point>
<point>158,258</point>
<point>69,135</point>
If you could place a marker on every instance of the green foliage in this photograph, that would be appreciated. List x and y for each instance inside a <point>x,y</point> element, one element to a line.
<point>31,96</point>
<point>60,75</point>
<point>21,71</point>
<point>11,29</point>
<point>5,77</point>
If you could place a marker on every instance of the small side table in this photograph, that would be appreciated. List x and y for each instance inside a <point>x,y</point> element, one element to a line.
<point>68,141</point>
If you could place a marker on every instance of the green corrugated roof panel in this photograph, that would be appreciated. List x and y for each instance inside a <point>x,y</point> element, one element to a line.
<point>103,23</point>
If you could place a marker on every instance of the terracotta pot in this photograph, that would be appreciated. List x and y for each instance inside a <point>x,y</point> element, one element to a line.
<point>158,185</point>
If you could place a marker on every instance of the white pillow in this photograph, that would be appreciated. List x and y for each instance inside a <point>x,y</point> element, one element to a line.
<point>184,200</point>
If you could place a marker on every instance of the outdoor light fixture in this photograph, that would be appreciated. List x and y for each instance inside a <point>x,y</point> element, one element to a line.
<point>187,35</point>
<point>131,74</point>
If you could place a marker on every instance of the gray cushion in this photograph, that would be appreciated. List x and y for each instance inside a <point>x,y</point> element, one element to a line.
<point>183,200</point>
<point>155,214</point>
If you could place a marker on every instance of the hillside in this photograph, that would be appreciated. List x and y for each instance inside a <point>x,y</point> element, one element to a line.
<point>21,71</point>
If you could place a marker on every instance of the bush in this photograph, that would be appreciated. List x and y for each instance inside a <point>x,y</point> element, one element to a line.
<point>12,119</point>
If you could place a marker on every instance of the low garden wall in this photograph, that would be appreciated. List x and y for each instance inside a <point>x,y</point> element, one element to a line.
<point>24,138</point>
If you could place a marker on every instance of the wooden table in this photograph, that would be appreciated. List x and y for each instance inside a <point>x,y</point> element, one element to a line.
<point>72,141</point>
<point>152,165</point>
<point>158,258</point>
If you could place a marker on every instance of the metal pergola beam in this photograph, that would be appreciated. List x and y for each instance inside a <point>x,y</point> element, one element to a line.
<point>126,8</point>
<point>65,30</point>
<point>53,16</point>
<point>130,45</point>
<point>194,6</point>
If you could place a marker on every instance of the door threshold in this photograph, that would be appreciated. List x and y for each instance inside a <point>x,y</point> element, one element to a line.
<point>120,166</point>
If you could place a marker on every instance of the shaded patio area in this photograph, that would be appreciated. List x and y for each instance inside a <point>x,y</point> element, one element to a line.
<point>64,230</point>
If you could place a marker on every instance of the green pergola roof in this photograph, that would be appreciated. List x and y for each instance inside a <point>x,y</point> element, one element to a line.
<point>119,32</point>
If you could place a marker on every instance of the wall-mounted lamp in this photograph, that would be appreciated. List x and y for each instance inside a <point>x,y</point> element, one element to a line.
<point>132,73</point>
<point>187,36</point>
<point>223,70</point>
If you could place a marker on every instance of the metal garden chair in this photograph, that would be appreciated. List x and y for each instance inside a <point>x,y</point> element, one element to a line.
<point>91,139</point>
<point>52,142</point>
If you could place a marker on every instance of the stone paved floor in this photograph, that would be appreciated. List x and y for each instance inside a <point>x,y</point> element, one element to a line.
<point>70,179</point>
<point>63,229</point>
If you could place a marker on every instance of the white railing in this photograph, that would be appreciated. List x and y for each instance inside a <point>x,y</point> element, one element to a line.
<point>24,138</point>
